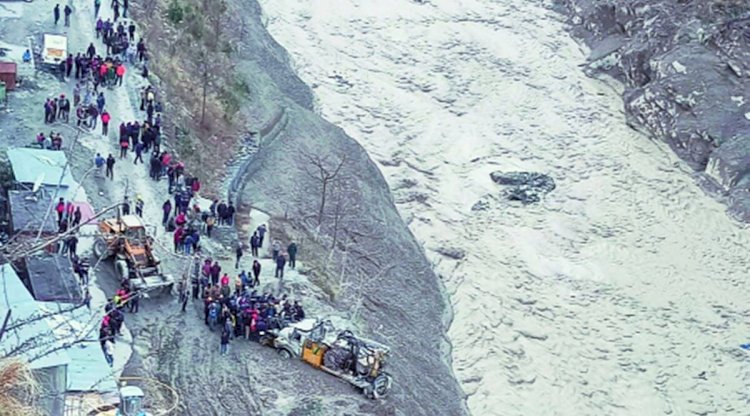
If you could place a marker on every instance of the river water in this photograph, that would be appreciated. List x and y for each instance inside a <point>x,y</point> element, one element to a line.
<point>623,292</point>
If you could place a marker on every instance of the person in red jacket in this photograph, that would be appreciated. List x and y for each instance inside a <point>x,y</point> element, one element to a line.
<point>60,208</point>
<point>105,122</point>
<point>120,72</point>
<point>124,143</point>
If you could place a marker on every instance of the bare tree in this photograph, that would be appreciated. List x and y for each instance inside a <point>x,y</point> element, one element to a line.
<point>325,173</point>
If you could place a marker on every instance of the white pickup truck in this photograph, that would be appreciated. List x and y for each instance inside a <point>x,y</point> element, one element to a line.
<point>54,49</point>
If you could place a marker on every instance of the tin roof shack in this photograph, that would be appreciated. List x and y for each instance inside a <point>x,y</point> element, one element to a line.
<point>8,72</point>
<point>52,279</point>
<point>61,348</point>
<point>31,341</point>
<point>27,215</point>
<point>31,166</point>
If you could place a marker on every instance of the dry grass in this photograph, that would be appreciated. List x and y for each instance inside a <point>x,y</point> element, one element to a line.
<point>18,389</point>
<point>205,147</point>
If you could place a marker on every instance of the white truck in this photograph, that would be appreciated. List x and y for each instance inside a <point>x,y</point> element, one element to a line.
<point>54,50</point>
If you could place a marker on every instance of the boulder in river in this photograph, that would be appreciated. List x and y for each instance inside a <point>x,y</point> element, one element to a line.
<point>527,187</point>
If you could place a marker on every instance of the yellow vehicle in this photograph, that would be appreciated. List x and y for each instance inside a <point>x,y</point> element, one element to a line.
<point>126,240</point>
<point>357,360</point>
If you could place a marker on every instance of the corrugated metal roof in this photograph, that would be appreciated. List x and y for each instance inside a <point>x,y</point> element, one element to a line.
<point>15,296</point>
<point>28,211</point>
<point>52,279</point>
<point>28,164</point>
<point>87,368</point>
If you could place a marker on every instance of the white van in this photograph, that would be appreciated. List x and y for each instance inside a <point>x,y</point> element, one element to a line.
<point>54,49</point>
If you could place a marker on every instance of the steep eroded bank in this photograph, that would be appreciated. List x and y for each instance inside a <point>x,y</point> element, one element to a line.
<point>687,79</point>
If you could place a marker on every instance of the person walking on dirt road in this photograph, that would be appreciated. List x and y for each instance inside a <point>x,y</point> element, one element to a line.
<point>67,12</point>
<point>256,273</point>
<point>56,13</point>
<point>254,244</point>
<point>105,123</point>
<point>238,255</point>
<point>97,5</point>
<point>224,341</point>
<point>280,263</point>
<point>111,166</point>
<point>261,233</point>
<point>292,250</point>
<point>166,209</point>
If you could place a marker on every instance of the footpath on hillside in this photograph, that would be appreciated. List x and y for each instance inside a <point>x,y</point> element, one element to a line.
<point>169,341</point>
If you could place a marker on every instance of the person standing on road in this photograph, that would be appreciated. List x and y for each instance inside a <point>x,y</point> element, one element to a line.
<point>109,351</point>
<point>131,33</point>
<point>280,263</point>
<point>67,12</point>
<point>292,250</point>
<point>111,166</point>
<point>99,163</point>
<point>64,107</point>
<point>100,101</point>
<point>124,144</point>
<point>69,65</point>
<point>87,298</point>
<point>120,73</point>
<point>215,272</point>
<point>133,302</point>
<point>230,213</point>
<point>256,273</point>
<point>91,50</point>
<point>254,244</point>
<point>97,5</point>
<point>125,206</point>
<point>139,206</point>
<point>56,13</point>
<point>166,210</point>
<point>275,249</point>
<point>125,9</point>
<point>105,123</point>
<point>60,209</point>
<point>261,233</point>
<point>210,222</point>
<point>238,256</point>
<point>224,341</point>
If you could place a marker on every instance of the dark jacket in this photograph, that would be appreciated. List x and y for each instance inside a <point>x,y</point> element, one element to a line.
<point>280,262</point>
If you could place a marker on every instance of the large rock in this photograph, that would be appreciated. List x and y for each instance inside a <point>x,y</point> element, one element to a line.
<point>527,187</point>
<point>685,69</point>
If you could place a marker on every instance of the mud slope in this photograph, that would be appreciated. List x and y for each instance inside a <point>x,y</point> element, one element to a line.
<point>387,277</point>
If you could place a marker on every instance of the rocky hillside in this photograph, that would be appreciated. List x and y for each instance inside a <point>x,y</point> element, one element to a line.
<point>686,69</point>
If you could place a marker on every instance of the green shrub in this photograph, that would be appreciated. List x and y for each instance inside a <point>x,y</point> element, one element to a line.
<point>175,12</point>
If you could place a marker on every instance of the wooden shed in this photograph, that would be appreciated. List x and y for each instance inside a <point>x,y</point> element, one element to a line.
<point>8,75</point>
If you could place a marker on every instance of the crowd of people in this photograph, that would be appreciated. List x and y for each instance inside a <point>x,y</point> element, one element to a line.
<point>241,309</point>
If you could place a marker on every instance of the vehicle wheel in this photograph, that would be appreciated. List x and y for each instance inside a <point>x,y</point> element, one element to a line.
<point>100,249</point>
<point>381,386</point>
<point>284,353</point>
